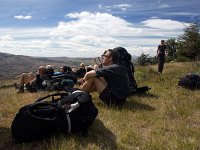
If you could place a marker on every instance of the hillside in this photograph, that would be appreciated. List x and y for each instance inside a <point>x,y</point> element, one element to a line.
<point>166,118</point>
<point>13,65</point>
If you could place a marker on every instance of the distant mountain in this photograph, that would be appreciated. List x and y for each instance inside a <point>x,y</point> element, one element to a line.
<point>13,65</point>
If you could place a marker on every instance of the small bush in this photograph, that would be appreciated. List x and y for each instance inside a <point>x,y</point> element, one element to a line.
<point>183,59</point>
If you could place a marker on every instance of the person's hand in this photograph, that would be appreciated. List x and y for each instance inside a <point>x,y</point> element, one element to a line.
<point>81,81</point>
<point>157,55</point>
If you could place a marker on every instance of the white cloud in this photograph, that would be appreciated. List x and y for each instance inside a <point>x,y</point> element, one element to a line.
<point>88,35</point>
<point>164,6</point>
<point>21,17</point>
<point>164,24</point>
<point>98,24</point>
<point>183,13</point>
<point>122,7</point>
<point>6,37</point>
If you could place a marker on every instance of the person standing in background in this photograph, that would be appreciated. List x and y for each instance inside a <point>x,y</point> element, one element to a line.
<point>161,51</point>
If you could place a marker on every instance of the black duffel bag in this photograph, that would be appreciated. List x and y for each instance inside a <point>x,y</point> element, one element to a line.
<point>65,113</point>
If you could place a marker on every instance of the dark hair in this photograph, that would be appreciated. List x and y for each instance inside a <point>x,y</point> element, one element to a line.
<point>67,68</point>
<point>50,72</point>
<point>115,56</point>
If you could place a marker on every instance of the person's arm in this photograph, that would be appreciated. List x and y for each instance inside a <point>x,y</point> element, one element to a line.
<point>157,52</point>
<point>89,75</point>
<point>166,50</point>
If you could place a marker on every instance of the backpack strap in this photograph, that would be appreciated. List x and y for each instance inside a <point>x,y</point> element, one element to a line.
<point>62,95</point>
<point>69,123</point>
<point>82,96</point>
<point>76,96</point>
<point>38,110</point>
<point>71,102</point>
<point>67,113</point>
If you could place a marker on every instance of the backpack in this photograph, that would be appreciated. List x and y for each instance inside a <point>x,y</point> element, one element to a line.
<point>191,81</point>
<point>125,60</point>
<point>58,83</point>
<point>64,113</point>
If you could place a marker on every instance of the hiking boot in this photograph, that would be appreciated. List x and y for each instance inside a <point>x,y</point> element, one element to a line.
<point>16,86</point>
<point>20,90</point>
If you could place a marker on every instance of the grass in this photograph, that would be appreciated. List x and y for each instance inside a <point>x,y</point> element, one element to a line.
<point>166,118</point>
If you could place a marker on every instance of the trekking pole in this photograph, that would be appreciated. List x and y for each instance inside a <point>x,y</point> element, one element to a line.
<point>97,63</point>
<point>100,66</point>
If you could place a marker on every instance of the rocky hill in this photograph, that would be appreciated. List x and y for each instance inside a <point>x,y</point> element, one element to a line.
<point>13,65</point>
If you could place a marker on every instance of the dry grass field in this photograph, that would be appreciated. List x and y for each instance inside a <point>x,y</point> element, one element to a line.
<point>166,118</point>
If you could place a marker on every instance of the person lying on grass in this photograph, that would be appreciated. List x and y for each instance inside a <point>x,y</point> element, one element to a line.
<point>30,80</point>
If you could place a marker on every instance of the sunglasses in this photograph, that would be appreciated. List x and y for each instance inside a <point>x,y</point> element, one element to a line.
<point>105,55</point>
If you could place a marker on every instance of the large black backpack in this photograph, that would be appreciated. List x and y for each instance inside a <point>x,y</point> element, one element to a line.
<point>190,81</point>
<point>64,113</point>
<point>125,60</point>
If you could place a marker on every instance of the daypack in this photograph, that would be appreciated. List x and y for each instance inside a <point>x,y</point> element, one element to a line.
<point>191,81</point>
<point>125,60</point>
<point>64,113</point>
<point>58,83</point>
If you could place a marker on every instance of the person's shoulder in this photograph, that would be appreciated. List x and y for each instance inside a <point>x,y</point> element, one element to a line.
<point>111,66</point>
<point>117,65</point>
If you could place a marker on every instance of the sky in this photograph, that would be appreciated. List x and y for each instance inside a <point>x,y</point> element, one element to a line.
<point>85,28</point>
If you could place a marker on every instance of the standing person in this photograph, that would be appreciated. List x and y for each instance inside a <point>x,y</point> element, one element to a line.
<point>111,81</point>
<point>161,51</point>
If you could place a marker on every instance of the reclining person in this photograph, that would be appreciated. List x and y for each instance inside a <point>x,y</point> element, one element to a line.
<point>50,70</point>
<point>65,73</point>
<point>111,81</point>
<point>31,81</point>
<point>63,70</point>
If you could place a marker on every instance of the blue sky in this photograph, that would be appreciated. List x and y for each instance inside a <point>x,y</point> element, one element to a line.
<point>85,28</point>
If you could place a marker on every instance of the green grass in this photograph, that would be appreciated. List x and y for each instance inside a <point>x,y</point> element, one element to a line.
<point>166,118</point>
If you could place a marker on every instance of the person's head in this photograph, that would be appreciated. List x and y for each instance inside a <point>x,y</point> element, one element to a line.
<point>65,69</point>
<point>110,57</point>
<point>50,69</point>
<point>82,65</point>
<point>162,41</point>
<point>42,70</point>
